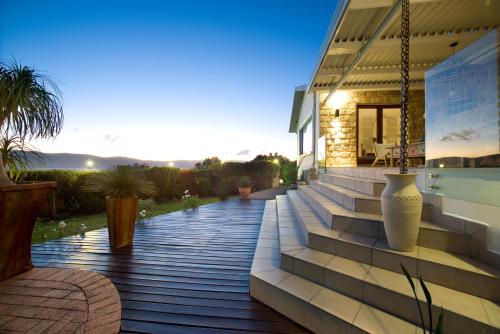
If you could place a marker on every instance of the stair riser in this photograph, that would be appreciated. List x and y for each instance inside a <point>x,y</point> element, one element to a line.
<point>353,204</point>
<point>457,243</point>
<point>453,278</point>
<point>373,188</point>
<point>363,205</point>
<point>321,211</point>
<point>398,304</point>
<point>302,312</point>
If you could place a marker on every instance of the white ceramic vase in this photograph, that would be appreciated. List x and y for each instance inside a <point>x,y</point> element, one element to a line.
<point>401,211</point>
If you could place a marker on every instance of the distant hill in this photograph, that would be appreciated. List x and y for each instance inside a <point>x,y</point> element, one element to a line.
<point>78,161</point>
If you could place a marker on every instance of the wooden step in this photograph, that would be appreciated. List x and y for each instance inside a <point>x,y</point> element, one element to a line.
<point>458,272</point>
<point>312,305</point>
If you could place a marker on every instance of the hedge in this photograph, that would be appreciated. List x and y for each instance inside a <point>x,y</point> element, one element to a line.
<point>170,182</point>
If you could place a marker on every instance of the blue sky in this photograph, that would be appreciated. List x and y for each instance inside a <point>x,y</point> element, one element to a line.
<point>170,80</point>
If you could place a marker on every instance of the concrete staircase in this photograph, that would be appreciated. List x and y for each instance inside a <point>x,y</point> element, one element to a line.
<point>322,259</point>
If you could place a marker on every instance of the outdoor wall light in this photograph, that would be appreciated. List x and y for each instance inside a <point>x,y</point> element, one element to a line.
<point>338,99</point>
<point>90,164</point>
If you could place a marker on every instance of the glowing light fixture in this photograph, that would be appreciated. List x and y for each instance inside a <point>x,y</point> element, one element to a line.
<point>171,164</point>
<point>276,161</point>
<point>441,165</point>
<point>338,99</point>
<point>89,164</point>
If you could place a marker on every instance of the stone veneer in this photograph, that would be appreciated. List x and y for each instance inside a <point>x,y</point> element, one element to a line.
<point>341,143</point>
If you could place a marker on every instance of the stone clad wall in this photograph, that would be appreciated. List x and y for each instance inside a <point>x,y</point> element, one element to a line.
<point>341,138</point>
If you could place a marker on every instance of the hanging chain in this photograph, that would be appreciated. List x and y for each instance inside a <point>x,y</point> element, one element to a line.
<point>405,59</point>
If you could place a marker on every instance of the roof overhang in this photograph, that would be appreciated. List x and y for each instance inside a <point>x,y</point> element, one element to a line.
<point>362,46</point>
<point>298,99</point>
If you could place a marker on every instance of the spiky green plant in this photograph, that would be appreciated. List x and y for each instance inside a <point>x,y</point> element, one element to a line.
<point>120,182</point>
<point>30,105</point>
<point>17,155</point>
<point>428,298</point>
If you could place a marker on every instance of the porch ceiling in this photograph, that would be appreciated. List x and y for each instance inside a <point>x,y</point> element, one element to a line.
<point>434,25</point>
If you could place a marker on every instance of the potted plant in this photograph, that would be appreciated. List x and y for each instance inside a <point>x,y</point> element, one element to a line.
<point>30,107</point>
<point>245,186</point>
<point>121,185</point>
<point>401,199</point>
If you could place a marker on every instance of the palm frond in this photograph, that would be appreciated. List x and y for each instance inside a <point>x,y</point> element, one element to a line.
<point>18,156</point>
<point>30,102</point>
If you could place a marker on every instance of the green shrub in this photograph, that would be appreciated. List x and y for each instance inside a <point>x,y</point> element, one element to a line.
<point>244,182</point>
<point>264,174</point>
<point>204,186</point>
<point>190,201</point>
<point>222,189</point>
<point>164,179</point>
<point>145,204</point>
<point>69,195</point>
<point>289,173</point>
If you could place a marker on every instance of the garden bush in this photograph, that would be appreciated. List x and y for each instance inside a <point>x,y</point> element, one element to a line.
<point>164,179</point>
<point>222,189</point>
<point>171,183</point>
<point>289,173</point>
<point>264,174</point>
<point>69,195</point>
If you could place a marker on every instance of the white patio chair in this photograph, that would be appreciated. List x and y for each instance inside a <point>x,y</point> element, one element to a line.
<point>382,151</point>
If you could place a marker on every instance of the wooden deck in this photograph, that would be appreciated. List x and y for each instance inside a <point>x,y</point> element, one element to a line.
<point>187,272</point>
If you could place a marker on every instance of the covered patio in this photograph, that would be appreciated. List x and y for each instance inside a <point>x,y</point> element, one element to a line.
<point>350,109</point>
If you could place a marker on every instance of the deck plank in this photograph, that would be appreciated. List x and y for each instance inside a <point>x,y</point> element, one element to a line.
<point>188,271</point>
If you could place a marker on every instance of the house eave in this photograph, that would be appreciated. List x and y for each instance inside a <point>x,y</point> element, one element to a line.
<point>298,98</point>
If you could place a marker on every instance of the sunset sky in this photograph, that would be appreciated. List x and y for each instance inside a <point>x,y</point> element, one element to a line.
<point>170,80</point>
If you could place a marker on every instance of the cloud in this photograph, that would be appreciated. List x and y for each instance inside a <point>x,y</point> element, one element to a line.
<point>462,135</point>
<point>244,152</point>
<point>110,138</point>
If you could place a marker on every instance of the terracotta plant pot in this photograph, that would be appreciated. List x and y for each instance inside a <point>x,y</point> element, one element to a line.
<point>19,208</point>
<point>121,214</point>
<point>401,211</point>
<point>245,192</point>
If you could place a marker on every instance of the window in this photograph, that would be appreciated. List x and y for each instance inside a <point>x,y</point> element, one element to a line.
<point>306,138</point>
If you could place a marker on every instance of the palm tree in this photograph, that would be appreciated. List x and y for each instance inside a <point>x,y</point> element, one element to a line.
<point>30,105</point>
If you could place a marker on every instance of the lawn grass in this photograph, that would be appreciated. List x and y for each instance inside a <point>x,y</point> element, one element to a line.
<point>49,230</point>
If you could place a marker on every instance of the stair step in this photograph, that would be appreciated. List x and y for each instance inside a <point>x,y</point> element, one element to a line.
<point>361,185</point>
<point>349,199</point>
<point>315,307</point>
<point>431,235</point>
<point>456,272</point>
<point>383,289</point>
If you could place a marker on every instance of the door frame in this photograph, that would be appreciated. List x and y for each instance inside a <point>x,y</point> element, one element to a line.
<point>380,121</point>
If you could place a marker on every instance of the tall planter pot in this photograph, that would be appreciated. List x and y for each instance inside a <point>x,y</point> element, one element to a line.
<point>245,192</point>
<point>121,213</point>
<point>19,208</point>
<point>401,211</point>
